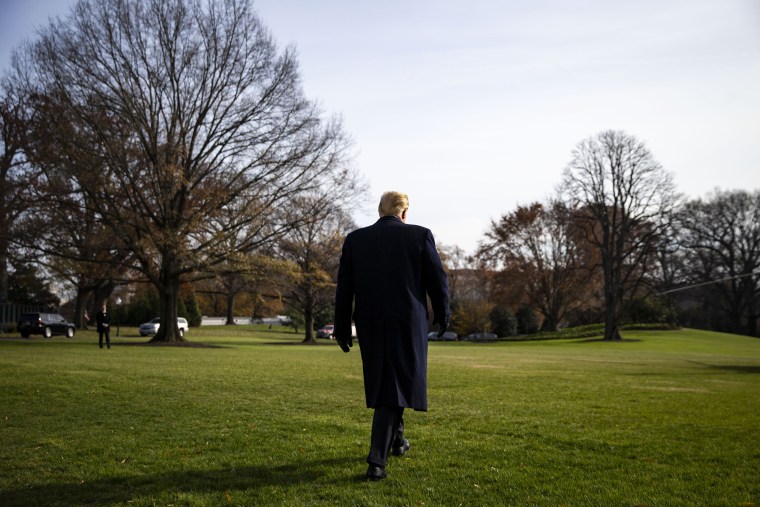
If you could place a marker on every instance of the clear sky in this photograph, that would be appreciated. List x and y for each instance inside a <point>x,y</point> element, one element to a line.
<point>474,107</point>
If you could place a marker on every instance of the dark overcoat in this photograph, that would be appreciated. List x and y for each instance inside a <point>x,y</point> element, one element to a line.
<point>387,270</point>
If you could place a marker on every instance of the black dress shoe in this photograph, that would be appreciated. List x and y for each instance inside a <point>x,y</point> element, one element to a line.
<point>375,473</point>
<point>401,449</point>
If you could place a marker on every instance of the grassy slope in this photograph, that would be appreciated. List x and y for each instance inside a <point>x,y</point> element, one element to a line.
<point>668,419</point>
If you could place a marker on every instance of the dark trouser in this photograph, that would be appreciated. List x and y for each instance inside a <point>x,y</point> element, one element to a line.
<point>387,432</point>
<point>104,331</point>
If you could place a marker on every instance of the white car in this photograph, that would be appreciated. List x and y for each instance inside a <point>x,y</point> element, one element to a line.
<point>151,327</point>
<point>326,331</point>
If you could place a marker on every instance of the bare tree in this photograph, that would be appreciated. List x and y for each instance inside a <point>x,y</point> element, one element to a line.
<point>16,175</point>
<point>303,261</point>
<point>471,283</point>
<point>472,292</point>
<point>67,236</point>
<point>545,254</point>
<point>455,262</point>
<point>721,241</point>
<point>184,126</point>
<point>249,274</point>
<point>627,199</point>
<point>314,249</point>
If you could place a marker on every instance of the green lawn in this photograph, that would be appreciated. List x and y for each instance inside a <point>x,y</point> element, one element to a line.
<point>666,418</point>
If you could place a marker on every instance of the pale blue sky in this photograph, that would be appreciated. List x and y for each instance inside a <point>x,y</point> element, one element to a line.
<point>474,107</point>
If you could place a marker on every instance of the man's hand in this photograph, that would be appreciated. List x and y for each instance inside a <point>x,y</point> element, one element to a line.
<point>345,345</point>
<point>444,327</point>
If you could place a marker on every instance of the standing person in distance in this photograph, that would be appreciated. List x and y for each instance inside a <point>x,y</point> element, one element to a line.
<point>103,320</point>
<point>387,271</point>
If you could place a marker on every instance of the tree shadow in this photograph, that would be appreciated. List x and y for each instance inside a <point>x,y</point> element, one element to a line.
<point>602,340</point>
<point>186,344</point>
<point>300,342</point>
<point>112,490</point>
<point>737,368</point>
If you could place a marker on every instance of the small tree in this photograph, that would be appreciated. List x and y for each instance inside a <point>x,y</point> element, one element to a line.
<point>503,323</point>
<point>526,321</point>
<point>193,310</point>
<point>313,249</point>
<point>144,306</point>
<point>651,310</point>
<point>472,316</point>
<point>457,265</point>
<point>26,286</point>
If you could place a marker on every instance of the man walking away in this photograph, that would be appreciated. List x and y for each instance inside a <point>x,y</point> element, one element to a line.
<point>387,271</point>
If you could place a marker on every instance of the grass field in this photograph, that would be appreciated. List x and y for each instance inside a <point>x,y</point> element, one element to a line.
<point>664,418</point>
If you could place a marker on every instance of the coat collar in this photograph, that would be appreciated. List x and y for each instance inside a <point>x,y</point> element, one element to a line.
<point>390,218</point>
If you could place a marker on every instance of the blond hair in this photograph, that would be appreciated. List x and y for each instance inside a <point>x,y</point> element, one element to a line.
<point>392,204</point>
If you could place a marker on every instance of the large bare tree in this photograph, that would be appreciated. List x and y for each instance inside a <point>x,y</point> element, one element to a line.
<point>184,126</point>
<point>720,236</point>
<point>70,241</point>
<point>626,200</point>
<point>16,174</point>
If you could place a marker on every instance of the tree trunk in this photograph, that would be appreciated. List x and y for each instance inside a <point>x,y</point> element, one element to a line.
<point>611,324</point>
<point>751,308</point>
<point>101,294</point>
<point>230,309</point>
<point>3,271</point>
<point>551,321</point>
<point>168,295</point>
<point>81,305</point>
<point>4,229</point>
<point>308,317</point>
<point>735,315</point>
<point>612,304</point>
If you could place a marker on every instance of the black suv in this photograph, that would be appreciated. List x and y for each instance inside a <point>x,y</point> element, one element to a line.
<point>46,324</point>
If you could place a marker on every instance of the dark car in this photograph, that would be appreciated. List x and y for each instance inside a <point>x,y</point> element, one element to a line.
<point>448,336</point>
<point>481,337</point>
<point>46,324</point>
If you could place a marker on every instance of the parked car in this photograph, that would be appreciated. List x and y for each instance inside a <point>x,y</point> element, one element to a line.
<point>331,328</point>
<point>46,324</point>
<point>150,328</point>
<point>481,337</point>
<point>448,336</point>
<point>325,331</point>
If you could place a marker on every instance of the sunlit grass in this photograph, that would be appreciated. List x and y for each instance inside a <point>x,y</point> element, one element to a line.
<point>667,418</point>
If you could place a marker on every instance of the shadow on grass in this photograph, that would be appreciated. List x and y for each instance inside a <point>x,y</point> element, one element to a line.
<point>602,340</point>
<point>299,342</point>
<point>735,367</point>
<point>187,344</point>
<point>12,338</point>
<point>108,491</point>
